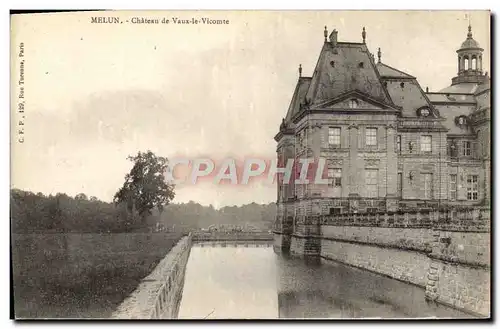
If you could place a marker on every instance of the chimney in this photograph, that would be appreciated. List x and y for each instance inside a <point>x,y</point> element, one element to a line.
<point>333,37</point>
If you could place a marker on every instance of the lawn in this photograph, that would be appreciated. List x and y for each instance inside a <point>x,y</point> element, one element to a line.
<point>88,276</point>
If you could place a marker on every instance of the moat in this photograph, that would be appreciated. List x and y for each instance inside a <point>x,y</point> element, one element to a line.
<point>251,281</point>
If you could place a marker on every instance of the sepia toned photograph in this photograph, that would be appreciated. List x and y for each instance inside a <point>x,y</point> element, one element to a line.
<point>253,165</point>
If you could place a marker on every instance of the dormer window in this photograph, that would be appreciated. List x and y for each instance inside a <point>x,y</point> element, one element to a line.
<point>461,121</point>
<point>353,104</point>
<point>361,64</point>
<point>423,112</point>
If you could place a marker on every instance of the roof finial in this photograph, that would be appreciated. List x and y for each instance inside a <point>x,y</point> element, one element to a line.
<point>379,53</point>
<point>469,35</point>
<point>325,33</point>
<point>300,70</point>
<point>363,34</point>
<point>426,89</point>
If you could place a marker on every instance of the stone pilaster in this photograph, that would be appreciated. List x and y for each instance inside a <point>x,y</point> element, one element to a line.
<point>354,170</point>
<point>487,181</point>
<point>391,168</point>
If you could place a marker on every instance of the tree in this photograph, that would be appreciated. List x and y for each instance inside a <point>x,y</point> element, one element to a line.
<point>81,196</point>
<point>145,187</point>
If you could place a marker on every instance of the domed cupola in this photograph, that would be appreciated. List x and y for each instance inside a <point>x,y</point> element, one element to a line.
<point>470,62</point>
<point>470,43</point>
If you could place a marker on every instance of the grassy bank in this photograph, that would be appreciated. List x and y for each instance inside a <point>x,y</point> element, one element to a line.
<point>85,275</point>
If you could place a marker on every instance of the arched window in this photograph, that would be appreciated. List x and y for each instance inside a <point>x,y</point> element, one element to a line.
<point>474,63</point>
<point>353,104</point>
<point>466,63</point>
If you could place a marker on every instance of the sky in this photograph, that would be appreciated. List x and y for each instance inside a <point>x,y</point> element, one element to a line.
<point>96,93</point>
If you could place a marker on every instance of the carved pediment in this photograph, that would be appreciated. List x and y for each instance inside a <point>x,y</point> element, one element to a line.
<point>353,103</point>
<point>355,100</point>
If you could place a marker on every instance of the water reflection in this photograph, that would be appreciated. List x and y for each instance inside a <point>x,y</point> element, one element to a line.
<point>230,282</point>
<point>242,282</point>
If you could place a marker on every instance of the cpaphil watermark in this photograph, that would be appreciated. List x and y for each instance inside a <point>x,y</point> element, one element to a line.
<point>242,172</point>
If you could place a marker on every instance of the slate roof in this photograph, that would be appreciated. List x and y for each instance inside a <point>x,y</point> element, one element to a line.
<point>298,97</point>
<point>451,98</point>
<point>470,43</point>
<point>450,112</point>
<point>390,72</point>
<point>451,106</point>
<point>461,88</point>
<point>408,95</point>
<point>343,68</point>
<point>482,87</point>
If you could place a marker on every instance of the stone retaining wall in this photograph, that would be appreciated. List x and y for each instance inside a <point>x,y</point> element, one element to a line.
<point>460,272</point>
<point>418,239</point>
<point>408,266</point>
<point>159,294</point>
<point>460,286</point>
<point>447,252</point>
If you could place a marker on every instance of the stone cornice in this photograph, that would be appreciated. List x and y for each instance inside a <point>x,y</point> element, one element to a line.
<point>306,112</point>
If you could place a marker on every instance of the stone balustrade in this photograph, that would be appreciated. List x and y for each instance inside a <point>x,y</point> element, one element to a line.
<point>232,236</point>
<point>159,294</point>
<point>475,219</point>
<point>458,219</point>
<point>422,219</point>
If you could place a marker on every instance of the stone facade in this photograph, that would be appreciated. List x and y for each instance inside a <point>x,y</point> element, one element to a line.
<point>400,162</point>
<point>388,145</point>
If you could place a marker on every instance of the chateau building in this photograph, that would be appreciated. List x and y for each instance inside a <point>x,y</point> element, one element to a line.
<point>388,145</point>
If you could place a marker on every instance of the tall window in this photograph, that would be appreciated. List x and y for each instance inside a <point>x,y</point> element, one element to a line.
<point>371,183</point>
<point>334,137</point>
<point>453,187</point>
<point>426,143</point>
<point>371,136</point>
<point>335,210</point>
<point>400,184</point>
<point>335,177</point>
<point>427,185</point>
<point>466,148</point>
<point>472,187</point>
<point>398,143</point>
